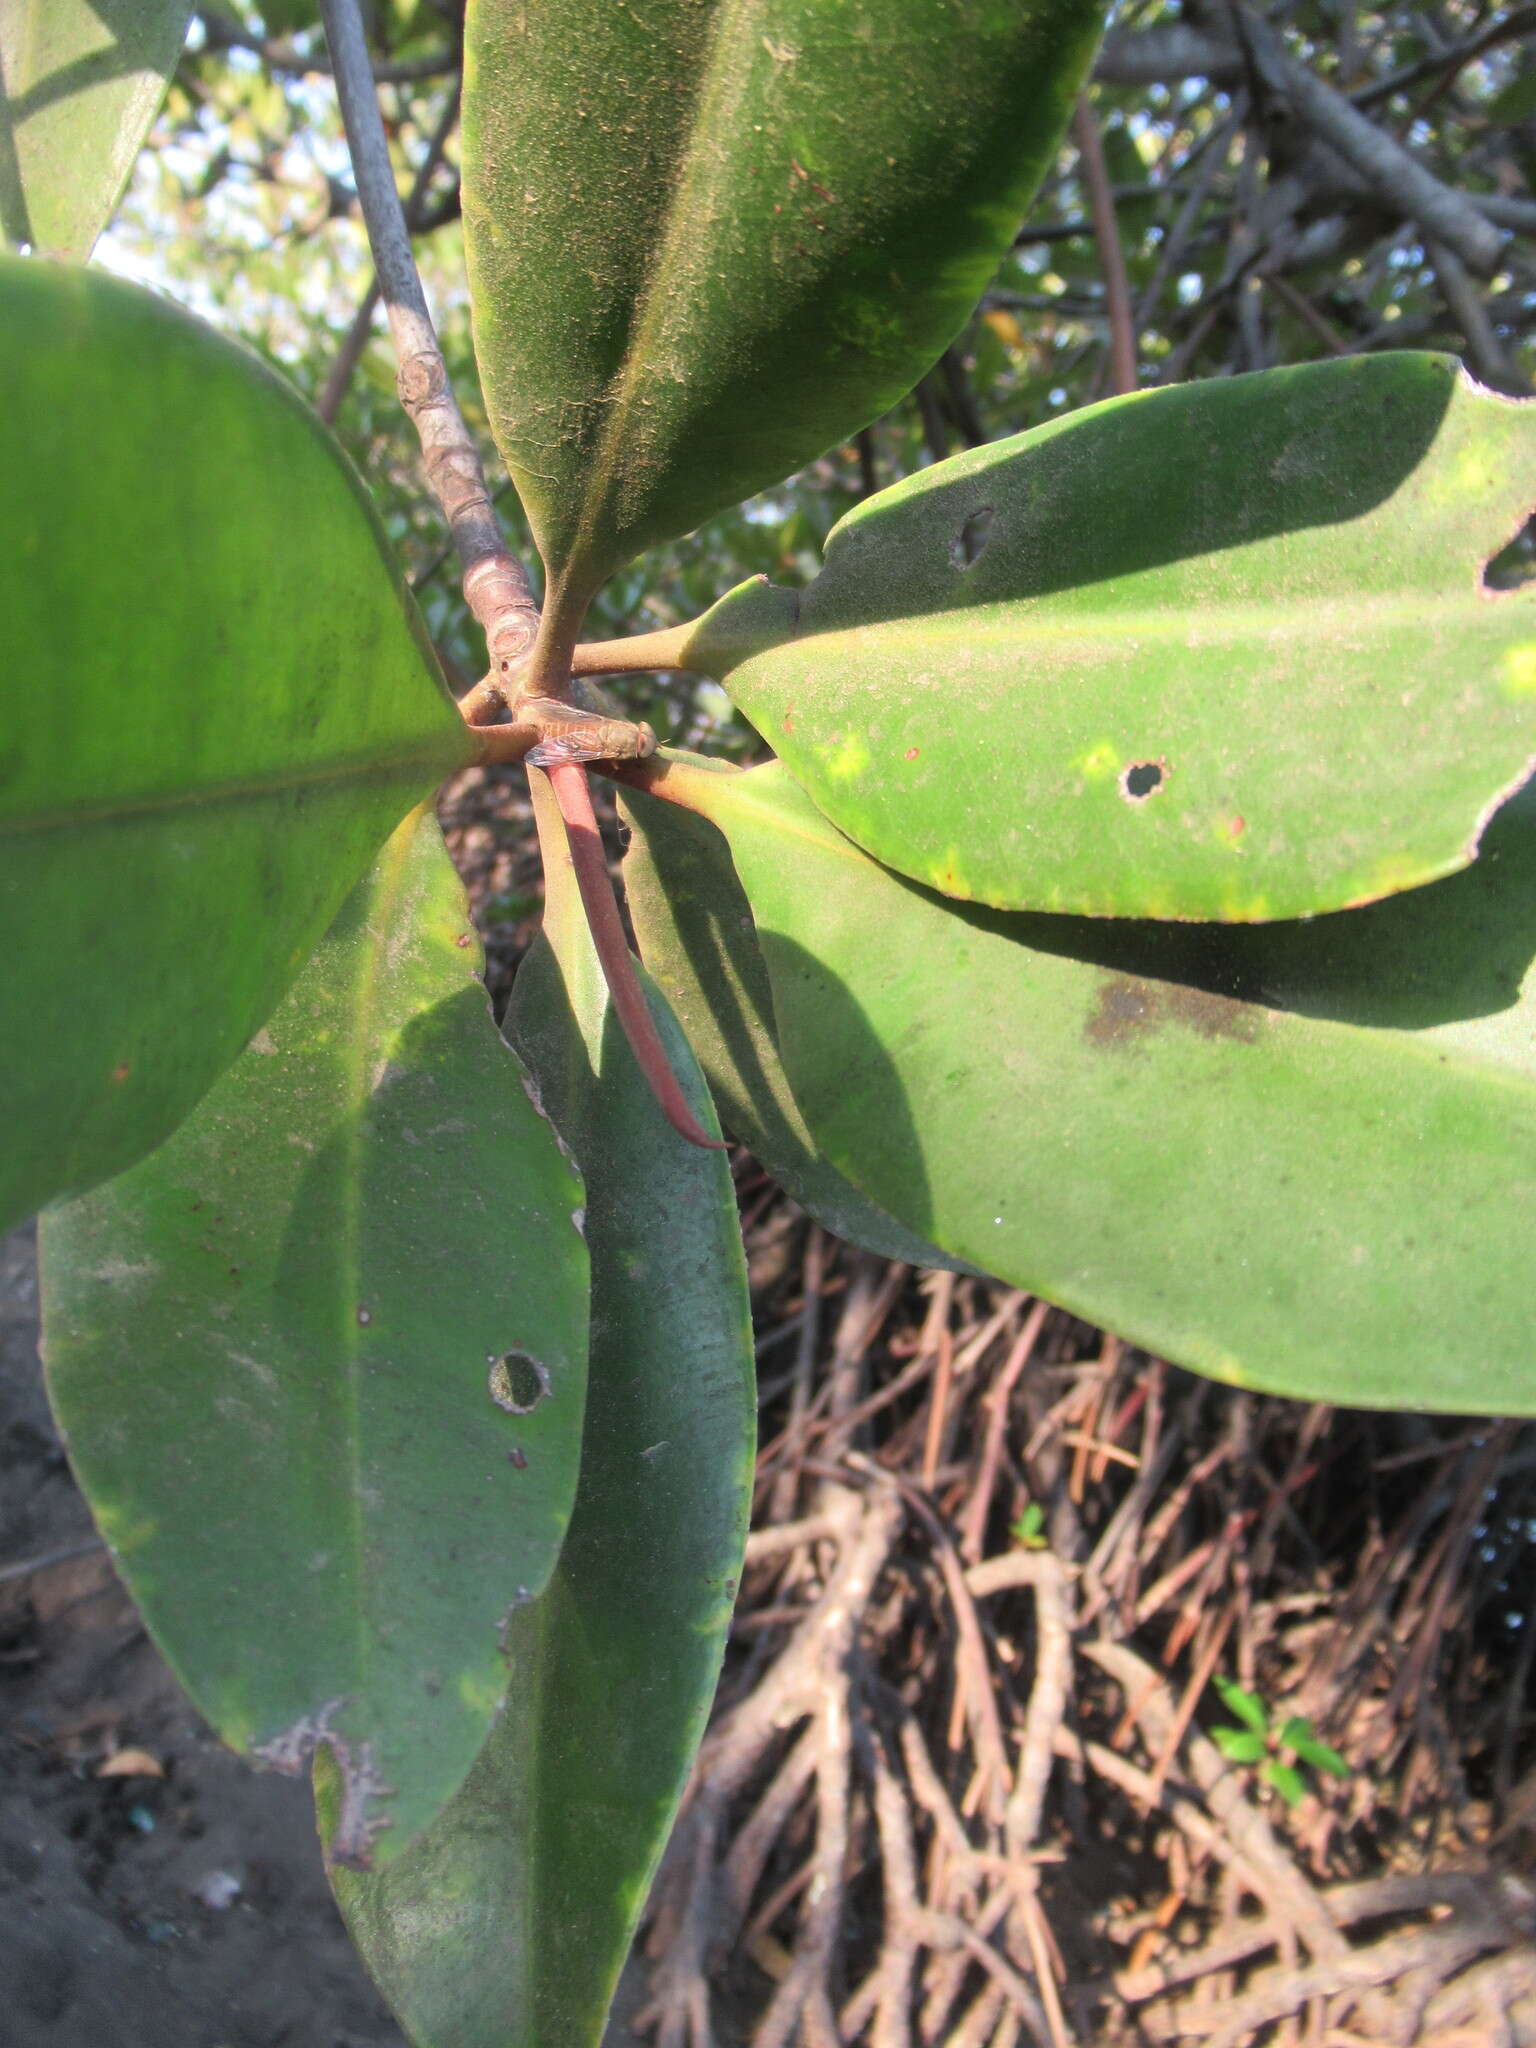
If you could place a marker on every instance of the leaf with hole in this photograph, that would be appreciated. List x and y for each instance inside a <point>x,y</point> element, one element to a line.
<point>1213,652</point>
<point>1296,1157</point>
<point>507,1924</point>
<point>221,701</point>
<point>80,83</point>
<point>695,931</point>
<point>352,1291</point>
<point>707,241</point>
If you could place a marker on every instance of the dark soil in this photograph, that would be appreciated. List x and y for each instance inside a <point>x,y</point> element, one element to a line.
<point>182,1911</point>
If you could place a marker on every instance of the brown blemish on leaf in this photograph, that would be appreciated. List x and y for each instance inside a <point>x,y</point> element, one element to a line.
<point>910,755</point>
<point>122,1071</point>
<point>1128,1011</point>
<point>351,1844</point>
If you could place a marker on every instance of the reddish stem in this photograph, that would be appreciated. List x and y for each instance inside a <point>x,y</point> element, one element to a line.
<point>568,781</point>
<point>1117,290</point>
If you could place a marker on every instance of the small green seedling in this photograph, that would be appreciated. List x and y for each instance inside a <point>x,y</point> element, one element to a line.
<point>1259,1741</point>
<point>1029,1530</point>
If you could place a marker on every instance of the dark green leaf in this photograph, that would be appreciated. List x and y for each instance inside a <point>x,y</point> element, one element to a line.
<point>80,82</point>
<point>708,240</point>
<point>289,1350</point>
<point>506,1926</point>
<point>194,766</point>
<point>1248,1709</point>
<point>695,929</point>
<point>1239,1745</point>
<point>1221,651</point>
<point>1516,102</point>
<point>1298,1157</point>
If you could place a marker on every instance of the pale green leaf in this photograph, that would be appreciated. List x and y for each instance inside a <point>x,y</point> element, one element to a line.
<point>80,83</point>
<point>1296,1157</point>
<point>1215,652</point>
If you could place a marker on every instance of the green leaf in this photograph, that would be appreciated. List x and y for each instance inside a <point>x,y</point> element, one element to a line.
<point>320,1360</point>
<point>1515,102</point>
<point>1287,1782</point>
<point>1220,651</point>
<point>1295,1157</point>
<point>507,1925</point>
<point>695,930</point>
<point>1297,1736</point>
<point>80,83</point>
<point>1029,1529</point>
<point>1246,1706</point>
<point>1239,1745</point>
<point>220,701</point>
<point>707,241</point>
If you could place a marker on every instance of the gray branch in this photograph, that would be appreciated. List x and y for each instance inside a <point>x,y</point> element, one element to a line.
<point>495,587</point>
<point>1398,179</point>
<point>1166,55</point>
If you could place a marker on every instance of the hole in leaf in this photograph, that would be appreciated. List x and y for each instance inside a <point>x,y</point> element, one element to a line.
<point>1515,564</point>
<point>965,549</point>
<point>1141,779</point>
<point>518,1382</point>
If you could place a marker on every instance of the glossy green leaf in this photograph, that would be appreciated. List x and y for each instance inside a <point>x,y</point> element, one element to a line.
<point>709,238</point>
<point>695,930</point>
<point>506,1926</point>
<point>1219,651</point>
<point>321,1359</point>
<point>80,83</point>
<point>1296,1157</point>
<point>219,701</point>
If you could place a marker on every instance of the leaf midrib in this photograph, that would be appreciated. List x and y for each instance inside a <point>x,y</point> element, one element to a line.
<point>427,758</point>
<point>616,440</point>
<point>361,1051</point>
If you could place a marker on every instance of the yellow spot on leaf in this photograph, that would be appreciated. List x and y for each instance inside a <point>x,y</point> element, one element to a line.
<point>847,758</point>
<point>123,1534</point>
<point>948,876</point>
<point>479,1694</point>
<point>1100,762</point>
<point>1517,670</point>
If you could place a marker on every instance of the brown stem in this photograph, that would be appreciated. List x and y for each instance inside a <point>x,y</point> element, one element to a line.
<point>495,587</point>
<point>568,782</point>
<point>1106,232</point>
